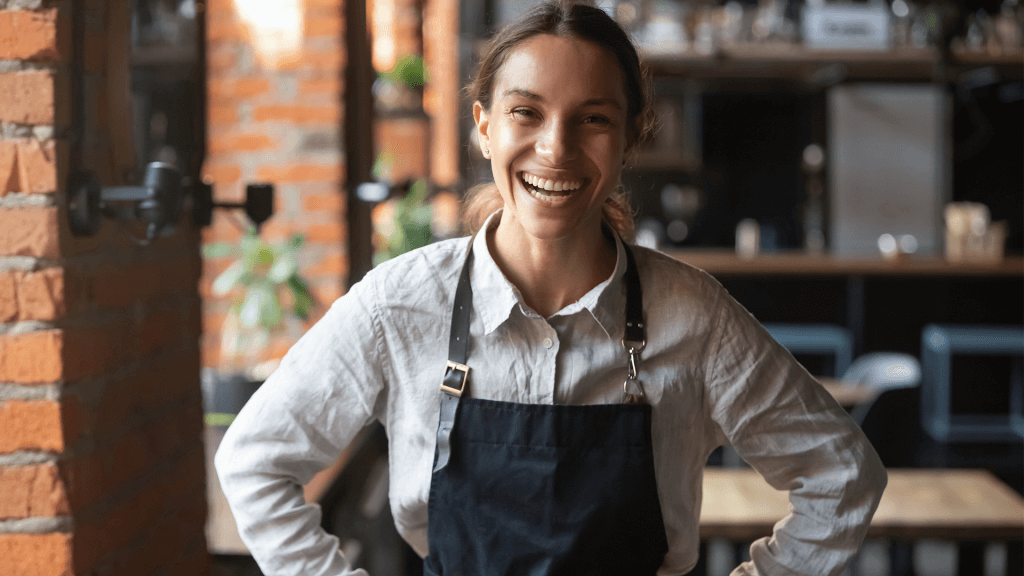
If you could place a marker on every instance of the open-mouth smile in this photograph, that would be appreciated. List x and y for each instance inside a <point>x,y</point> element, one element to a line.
<point>549,190</point>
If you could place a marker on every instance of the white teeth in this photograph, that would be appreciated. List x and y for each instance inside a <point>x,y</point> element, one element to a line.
<point>550,185</point>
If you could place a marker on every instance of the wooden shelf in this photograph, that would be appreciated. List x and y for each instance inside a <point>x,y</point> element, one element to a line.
<point>786,61</point>
<point>727,263</point>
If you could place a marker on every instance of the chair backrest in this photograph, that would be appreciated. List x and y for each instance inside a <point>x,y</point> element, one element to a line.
<point>884,371</point>
<point>881,371</point>
<point>815,338</point>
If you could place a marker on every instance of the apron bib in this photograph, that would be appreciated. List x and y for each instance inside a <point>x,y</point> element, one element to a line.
<point>539,490</point>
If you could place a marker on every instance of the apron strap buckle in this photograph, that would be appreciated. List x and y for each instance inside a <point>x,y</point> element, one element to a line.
<point>454,380</point>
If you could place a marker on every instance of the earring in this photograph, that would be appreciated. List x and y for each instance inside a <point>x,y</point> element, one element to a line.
<point>487,152</point>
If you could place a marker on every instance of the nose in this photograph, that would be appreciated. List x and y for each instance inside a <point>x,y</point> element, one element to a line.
<point>557,142</point>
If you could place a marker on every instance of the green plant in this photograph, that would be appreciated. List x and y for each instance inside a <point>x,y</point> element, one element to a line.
<point>410,228</point>
<point>256,282</point>
<point>409,70</point>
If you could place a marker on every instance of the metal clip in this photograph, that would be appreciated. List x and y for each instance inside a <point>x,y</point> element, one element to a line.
<point>633,397</point>
<point>632,374</point>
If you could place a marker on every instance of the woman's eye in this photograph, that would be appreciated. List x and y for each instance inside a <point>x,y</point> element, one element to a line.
<point>596,119</point>
<point>522,113</point>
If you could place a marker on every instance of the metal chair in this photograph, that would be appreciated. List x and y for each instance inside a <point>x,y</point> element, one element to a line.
<point>939,343</point>
<point>881,371</point>
<point>814,338</point>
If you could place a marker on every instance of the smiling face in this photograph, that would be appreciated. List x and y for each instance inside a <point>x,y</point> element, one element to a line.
<point>556,136</point>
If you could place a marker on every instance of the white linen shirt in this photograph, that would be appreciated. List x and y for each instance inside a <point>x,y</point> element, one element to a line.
<point>710,371</point>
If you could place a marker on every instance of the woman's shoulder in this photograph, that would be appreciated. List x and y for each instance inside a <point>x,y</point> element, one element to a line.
<point>430,268</point>
<point>666,274</point>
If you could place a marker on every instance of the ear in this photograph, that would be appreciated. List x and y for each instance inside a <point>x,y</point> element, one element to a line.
<point>482,120</point>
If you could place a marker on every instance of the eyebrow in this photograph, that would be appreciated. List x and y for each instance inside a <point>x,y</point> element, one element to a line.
<point>532,96</point>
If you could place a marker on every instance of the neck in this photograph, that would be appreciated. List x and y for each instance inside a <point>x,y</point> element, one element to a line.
<point>551,274</point>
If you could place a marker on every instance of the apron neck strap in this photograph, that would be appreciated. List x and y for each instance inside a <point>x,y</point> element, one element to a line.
<point>456,372</point>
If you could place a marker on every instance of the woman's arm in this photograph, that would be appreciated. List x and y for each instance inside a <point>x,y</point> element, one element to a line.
<point>787,427</point>
<point>329,385</point>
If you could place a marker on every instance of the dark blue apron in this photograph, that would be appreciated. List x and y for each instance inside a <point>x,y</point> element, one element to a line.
<point>538,490</point>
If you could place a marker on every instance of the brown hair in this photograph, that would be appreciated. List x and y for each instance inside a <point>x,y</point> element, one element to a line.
<point>570,19</point>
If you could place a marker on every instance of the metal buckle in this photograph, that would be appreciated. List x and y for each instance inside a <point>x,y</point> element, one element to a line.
<point>458,368</point>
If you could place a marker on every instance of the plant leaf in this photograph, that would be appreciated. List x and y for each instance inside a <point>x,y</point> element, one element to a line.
<point>219,250</point>
<point>284,267</point>
<point>229,279</point>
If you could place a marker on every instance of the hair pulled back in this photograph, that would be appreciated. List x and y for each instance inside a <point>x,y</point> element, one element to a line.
<point>567,19</point>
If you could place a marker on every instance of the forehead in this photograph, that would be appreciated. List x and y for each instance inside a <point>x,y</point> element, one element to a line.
<point>561,69</point>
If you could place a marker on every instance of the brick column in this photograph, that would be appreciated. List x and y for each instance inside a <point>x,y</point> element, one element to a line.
<point>277,117</point>
<point>101,454</point>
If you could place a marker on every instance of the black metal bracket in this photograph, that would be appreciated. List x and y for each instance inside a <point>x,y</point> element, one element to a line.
<point>158,201</point>
<point>258,205</point>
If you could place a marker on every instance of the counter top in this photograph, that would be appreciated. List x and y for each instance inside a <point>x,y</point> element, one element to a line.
<point>727,263</point>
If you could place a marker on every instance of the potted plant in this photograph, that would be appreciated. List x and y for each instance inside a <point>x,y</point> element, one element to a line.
<point>265,289</point>
<point>401,87</point>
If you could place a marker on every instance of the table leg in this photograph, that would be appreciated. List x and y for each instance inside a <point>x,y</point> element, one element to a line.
<point>971,559</point>
<point>1015,557</point>
<point>901,559</point>
<point>855,312</point>
<point>701,568</point>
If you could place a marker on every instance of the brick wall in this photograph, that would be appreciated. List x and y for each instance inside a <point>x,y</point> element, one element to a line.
<point>101,457</point>
<point>277,117</point>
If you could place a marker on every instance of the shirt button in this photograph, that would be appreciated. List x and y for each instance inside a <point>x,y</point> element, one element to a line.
<point>548,342</point>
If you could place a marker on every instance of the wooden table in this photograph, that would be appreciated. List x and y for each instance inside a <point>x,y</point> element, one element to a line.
<point>940,504</point>
<point>848,395</point>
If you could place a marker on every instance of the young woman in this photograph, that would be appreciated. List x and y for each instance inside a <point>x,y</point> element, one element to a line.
<point>550,393</point>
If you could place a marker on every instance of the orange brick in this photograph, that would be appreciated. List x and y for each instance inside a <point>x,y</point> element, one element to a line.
<point>326,61</point>
<point>221,59</point>
<point>29,232</point>
<point>324,25</point>
<point>27,97</point>
<point>223,30</point>
<point>221,174</point>
<point>28,35</point>
<point>325,295</point>
<point>300,173</point>
<point>9,167</point>
<point>32,295</point>
<point>329,233</point>
<point>323,201</point>
<point>36,554</point>
<point>27,491</point>
<point>320,86</point>
<point>37,166</point>
<point>220,231</point>
<point>30,425</point>
<point>297,114</point>
<point>220,8</point>
<point>240,143</point>
<point>232,90</point>
<point>8,297</point>
<point>31,358</point>
<point>41,295</point>
<point>219,115</point>
<point>334,264</point>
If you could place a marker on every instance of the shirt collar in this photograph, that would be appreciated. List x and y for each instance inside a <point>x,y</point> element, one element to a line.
<point>606,302</point>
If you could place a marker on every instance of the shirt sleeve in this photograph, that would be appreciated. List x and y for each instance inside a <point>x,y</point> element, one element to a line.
<point>297,424</point>
<point>789,429</point>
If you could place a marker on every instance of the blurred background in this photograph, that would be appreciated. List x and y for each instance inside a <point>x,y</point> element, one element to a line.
<point>853,172</point>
